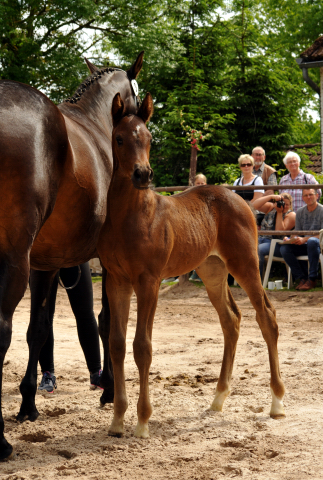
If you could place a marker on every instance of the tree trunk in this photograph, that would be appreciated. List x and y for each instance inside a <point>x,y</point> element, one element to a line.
<point>193,164</point>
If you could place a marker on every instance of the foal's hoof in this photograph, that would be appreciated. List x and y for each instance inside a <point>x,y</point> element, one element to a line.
<point>22,416</point>
<point>6,451</point>
<point>277,416</point>
<point>115,434</point>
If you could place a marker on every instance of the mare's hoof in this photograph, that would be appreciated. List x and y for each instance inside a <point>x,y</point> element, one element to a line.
<point>106,397</point>
<point>22,417</point>
<point>6,451</point>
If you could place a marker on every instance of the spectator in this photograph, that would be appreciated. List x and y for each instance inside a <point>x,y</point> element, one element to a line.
<point>267,173</point>
<point>246,163</point>
<point>309,217</point>
<point>200,179</point>
<point>276,218</point>
<point>296,176</point>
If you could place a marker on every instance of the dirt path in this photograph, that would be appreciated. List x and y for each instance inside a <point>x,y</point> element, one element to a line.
<point>186,440</point>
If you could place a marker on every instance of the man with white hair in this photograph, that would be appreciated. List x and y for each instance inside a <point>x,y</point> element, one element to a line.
<point>267,173</point>
<point>296,176</point>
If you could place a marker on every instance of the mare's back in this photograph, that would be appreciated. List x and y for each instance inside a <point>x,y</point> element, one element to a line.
<point>33,145</point>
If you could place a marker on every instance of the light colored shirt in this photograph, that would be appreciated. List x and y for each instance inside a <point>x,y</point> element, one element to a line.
<point>257,181</point>
<point>306,220</point>
<point>302,178</point>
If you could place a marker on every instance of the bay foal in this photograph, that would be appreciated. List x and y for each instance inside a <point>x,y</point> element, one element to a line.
<point>148,237</point>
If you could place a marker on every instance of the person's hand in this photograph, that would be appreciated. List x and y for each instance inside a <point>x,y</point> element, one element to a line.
<point>278,209</point>
<point>299,240</point>
<point>276,198</point>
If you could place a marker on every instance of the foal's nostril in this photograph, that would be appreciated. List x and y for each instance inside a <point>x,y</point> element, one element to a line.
<point>137,174</point>
<point>151,175</point>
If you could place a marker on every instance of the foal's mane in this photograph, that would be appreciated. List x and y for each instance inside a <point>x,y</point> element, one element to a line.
<point>88,82</point>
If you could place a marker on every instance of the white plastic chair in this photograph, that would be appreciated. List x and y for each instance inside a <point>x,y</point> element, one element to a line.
<point>270,259</point>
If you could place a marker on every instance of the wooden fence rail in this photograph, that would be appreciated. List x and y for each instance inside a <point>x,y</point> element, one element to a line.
<point>246,187</point>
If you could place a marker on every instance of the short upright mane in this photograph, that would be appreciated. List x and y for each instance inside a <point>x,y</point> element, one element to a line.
<point>88,81</point>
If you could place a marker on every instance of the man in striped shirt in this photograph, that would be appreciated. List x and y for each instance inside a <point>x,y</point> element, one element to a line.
<point>296,176</point>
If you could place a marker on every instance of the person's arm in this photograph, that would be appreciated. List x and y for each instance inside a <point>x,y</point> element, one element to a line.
<point>259,193</point>
<point>287,223</point>
<point>299,226</point>
<point>263,204</point>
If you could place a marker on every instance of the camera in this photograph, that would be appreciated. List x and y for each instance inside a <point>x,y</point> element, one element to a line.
<point>280,203</point>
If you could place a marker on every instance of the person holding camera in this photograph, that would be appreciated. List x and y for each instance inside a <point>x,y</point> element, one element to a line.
<point>279,216</point>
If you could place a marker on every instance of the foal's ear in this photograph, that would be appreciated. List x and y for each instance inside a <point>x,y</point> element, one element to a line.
<point>146,108</point>
<point>91,66</point>
<point>117,109</point>
<point>134,70</point>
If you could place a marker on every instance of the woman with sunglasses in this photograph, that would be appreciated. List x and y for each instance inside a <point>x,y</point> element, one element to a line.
<point>246,163</point>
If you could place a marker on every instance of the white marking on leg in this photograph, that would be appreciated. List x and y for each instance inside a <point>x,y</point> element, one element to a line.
<point>142,430</point>
<point>116,427</point>
<point>277,406</point>
<point>218,401</point>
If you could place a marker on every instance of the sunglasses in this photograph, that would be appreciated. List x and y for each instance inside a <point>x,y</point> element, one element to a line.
<point>246,165</point>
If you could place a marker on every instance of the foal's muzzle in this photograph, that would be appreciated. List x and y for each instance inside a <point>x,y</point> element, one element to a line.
<point>142,176</point>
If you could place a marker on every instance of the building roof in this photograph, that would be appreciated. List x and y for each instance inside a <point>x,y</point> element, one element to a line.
<point>314,52</point>
<point>312,151</point>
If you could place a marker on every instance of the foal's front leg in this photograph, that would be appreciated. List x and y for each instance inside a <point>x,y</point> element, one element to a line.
<point>147,296</point>
<point>119,301</point>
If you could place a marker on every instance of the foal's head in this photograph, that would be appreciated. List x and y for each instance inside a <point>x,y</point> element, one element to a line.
<point>131,142</point>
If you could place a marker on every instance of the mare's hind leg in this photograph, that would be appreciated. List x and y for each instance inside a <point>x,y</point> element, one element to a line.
<point>40,288</point>
<point>266,318</point>
<point>107,381</point>
<point>13,283</point>
<point>214,275</point>
<point>119,302</point>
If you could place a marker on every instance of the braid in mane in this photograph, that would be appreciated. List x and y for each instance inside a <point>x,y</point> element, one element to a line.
<point>86,84</point>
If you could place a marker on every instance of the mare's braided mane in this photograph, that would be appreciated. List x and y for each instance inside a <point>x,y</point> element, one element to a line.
<point>86,84</point>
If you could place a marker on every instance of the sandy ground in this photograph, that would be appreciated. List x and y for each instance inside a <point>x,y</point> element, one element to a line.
<point>186,440</point>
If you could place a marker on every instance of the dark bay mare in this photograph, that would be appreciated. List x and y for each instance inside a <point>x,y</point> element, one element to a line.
<point>55,170</point>
<point>147,237</point>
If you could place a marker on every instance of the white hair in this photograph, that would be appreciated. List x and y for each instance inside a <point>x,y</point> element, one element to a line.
<point>261,149</point>
<point>292,155</point>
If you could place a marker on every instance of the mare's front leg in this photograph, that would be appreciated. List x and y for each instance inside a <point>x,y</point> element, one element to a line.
<point>119,292</point>
<point>40,289</point>
<point>147,295</point>
<point>214,275</point>
<point>107,381</point>
<point>13,283</point>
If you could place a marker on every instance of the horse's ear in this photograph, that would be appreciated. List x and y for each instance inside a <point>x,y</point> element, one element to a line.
<point>133,71</point>
<point>91,66</point>
<point>117,109</point>
<point>146,108</point>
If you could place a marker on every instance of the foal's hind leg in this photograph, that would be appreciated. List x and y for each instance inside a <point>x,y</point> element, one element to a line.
<point>40,288</point>
<point>266,318</point>
<point>119,302</point>
<point>214,275</point>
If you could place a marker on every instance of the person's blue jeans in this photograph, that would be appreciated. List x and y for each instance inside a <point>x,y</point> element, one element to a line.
<point>263,250</point>
<point>299,268</point>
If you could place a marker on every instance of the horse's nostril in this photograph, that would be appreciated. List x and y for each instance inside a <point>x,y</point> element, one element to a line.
<point>151,175</point>
<point>137,174</point>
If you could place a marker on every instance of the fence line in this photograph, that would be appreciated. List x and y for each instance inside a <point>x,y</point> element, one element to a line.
<point>246,187</point>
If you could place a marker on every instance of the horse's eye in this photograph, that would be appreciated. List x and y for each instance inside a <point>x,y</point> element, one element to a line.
<point>119,140</point>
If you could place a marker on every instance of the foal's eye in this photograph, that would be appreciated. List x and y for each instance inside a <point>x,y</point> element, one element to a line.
<point>119,140</point>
